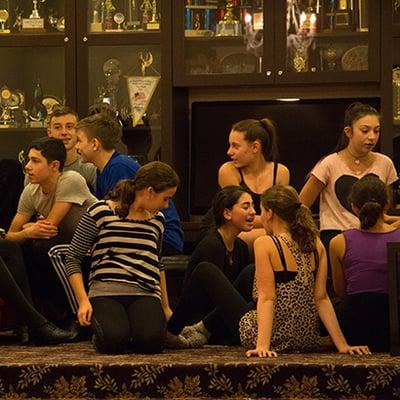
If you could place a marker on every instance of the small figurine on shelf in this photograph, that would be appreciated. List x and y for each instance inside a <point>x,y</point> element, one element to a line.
<point>109,14</point>
<point>38,111</point>
<point>17,26</point>
<point>146,9</point>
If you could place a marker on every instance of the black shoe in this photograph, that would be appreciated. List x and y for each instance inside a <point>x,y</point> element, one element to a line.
<point>50,334</point>
<point>23,335</point>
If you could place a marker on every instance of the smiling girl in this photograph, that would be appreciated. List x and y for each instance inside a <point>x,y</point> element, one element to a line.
<point>253,152</point>
<point>127,303</point>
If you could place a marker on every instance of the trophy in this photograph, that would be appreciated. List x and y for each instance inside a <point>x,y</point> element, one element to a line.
<point>229,25</point>
<point>145,8</point>
<point>396,95</point>
<point>119,18</point>
<point>38,111</point>
<point>35,21</point>
<point>96,24</point>
<point>3,19</point>
<point>108,17</point>
<point>153,24</point>
<point>17,26</point>
<point>133,22</point>
<point>328,58</point>
<point>5,112</point>
<point>108,93</point>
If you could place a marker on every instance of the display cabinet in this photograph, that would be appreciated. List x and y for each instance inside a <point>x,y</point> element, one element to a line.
<point>273,41</point>
<point>119,67</point>
<point>87,54</point>
<point>37,40</point>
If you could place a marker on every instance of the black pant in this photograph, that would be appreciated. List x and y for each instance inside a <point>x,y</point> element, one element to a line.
<point>209,282</point>
<point>326,237</point>
<point>128,323</point>
<point>14,285</point>
<point>43,279</point>
<point>364,319</point>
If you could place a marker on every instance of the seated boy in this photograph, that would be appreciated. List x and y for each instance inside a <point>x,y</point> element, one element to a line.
<point>98,136</point>
<point>48,212</point>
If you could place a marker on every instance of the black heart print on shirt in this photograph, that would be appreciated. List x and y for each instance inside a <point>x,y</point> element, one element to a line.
<point>343,188</point>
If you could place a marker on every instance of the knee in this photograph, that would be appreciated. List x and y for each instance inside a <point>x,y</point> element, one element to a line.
<point>149,342</point>
<point>109,341</point>
<point>205,268</point>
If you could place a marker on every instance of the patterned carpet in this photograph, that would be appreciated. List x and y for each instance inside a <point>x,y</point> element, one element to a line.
<point>75,371</point>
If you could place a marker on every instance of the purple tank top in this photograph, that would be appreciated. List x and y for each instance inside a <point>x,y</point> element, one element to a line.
<point>365,260</point>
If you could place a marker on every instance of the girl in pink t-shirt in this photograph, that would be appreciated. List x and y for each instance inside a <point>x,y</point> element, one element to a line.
<point>334,175</point>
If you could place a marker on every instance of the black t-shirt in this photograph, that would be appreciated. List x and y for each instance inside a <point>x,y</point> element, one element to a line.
<point>212,249</point>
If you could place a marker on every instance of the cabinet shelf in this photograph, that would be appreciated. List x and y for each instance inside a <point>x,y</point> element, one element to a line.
<point>216,39</point>
<point>123,38</point>
<point>33,39</point>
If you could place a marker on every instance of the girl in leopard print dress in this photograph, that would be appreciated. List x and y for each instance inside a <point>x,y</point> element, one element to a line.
<point>291,271</point>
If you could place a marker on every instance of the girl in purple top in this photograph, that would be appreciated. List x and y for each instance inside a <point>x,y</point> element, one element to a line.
<point>359,267</point>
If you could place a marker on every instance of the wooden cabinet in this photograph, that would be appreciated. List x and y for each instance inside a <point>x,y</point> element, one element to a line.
<point>85,61</point>
<point>275,42</point>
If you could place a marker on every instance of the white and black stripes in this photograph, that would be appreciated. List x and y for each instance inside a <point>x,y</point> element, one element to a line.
<point>121,250</point>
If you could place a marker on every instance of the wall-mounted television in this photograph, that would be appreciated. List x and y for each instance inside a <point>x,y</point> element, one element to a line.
<point>307,130</point>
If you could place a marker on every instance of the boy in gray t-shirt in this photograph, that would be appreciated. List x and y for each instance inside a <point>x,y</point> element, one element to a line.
<point>49,210</point>
<point>58,198</point>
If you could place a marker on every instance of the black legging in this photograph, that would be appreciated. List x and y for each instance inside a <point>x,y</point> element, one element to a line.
<point>14,285</point>
<point>208,281</point>
<point>128,323</point>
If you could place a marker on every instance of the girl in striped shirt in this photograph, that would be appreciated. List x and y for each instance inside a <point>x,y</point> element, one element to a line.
<point>126,304</point>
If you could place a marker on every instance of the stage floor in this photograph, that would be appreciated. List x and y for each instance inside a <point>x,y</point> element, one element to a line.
<point>76,371</point>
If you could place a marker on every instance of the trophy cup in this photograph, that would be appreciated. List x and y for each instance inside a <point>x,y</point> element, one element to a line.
<point>5,113</point>
<point>38,112</point>
<point>35,21</point>
<point>112,72</point>
<point>119,18</point>
<point>396,95</point>
<point>133,22</point>
<point>229,25</point>
<point>4,14</point>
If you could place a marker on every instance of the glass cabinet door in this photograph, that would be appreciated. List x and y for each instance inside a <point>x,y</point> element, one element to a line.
<point>119,68</point>
<point>333,39</point>
<point>220,38</point>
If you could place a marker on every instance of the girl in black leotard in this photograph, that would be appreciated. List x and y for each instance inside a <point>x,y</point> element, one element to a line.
<point>253,165</point>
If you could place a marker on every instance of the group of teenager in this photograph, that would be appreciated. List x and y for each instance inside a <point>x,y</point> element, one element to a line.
<point>258,278</point>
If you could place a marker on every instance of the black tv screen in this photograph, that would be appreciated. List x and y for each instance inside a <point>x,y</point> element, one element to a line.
<point>307,130</point>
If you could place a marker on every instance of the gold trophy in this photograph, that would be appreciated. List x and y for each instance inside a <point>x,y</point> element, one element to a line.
<point>229,25</point>
<point>149,8</point>
<point>3,19</point>
<point>35,21</point>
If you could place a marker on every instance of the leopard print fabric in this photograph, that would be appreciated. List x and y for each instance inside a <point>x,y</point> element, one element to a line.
<point>295,326</point>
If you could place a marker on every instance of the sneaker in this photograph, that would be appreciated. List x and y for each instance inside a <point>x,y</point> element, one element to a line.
<point>175,342</point>
<point>195,337</point>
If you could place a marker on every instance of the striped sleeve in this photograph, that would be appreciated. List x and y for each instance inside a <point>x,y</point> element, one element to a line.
<point>84,237</point>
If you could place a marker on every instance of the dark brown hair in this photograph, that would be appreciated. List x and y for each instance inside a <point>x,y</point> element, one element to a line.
<point>102,127</point>
<point>155,174</point>
<point>284,202</point>
<point>226,198</point>
<point>353,113</point>
<point>370,196</point>
<point>262,130</point>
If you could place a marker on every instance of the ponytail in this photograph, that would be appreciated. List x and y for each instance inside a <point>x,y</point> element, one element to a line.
<point>284,202</point>
<point>369,214</point>
<point>124,195</point>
